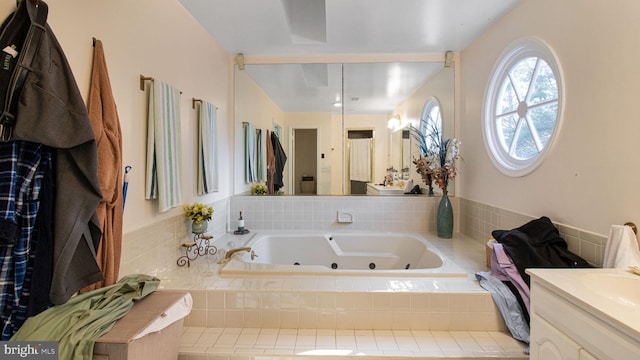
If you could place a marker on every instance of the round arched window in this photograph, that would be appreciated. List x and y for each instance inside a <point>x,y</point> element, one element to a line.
<point>523,107</point>
<point>431,120</point>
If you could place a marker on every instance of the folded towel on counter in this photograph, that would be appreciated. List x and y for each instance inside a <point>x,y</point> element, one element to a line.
<point>621,250</point>
<point>163,146</point>
<point>207,149</point>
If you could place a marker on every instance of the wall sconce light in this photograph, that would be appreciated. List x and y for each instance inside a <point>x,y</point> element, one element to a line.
<point>395,122</point>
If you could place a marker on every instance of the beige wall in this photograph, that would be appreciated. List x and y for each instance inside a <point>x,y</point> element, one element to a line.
<point>590,178</point>
<point>157,38</point>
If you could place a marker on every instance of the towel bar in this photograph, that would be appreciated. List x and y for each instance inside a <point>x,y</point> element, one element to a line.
<point>147,78</point>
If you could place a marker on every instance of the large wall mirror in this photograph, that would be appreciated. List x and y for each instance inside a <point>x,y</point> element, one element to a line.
<point>341,125</point>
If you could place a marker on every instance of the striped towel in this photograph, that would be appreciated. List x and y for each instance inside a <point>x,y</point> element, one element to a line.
<point>250,154</point>
<point>163,146</point>
<point>207,149</point>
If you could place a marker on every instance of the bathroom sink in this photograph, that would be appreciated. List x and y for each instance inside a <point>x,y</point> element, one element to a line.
<point>620,288</point>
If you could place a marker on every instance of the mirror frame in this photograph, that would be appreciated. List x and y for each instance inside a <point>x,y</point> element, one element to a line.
<point>238,185</point>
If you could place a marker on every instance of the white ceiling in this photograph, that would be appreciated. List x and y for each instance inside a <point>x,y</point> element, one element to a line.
<point>289,27</point>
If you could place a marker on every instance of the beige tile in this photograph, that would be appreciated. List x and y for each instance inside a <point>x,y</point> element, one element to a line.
<point>439,303</point>
<point>215,300</point>
<point>289,319</point>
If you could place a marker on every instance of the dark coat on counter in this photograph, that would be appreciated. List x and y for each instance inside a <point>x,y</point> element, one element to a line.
<point>537,244</point>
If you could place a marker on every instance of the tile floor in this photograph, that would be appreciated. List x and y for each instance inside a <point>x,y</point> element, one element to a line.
<point>269,343</point>
<point>250,343</point>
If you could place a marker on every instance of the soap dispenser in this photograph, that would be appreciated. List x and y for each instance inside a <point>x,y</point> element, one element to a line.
<point>241,229</point>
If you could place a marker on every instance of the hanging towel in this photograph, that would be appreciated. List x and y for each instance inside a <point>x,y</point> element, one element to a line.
<point>207,149</point>
<point>163,146</point>
<point>621,249</point>
<point>103,113</point>
<point>260,158</point>
<point>250,154</point>
<point>360,160</point>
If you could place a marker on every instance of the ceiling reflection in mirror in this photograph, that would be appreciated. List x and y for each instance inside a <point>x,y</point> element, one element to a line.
<point>317,107</point>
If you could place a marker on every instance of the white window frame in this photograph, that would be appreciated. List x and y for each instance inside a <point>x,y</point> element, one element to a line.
<point>521,49</point>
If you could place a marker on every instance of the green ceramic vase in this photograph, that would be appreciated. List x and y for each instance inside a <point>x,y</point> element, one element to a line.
<point>199,228</point>
<point>445,217</point>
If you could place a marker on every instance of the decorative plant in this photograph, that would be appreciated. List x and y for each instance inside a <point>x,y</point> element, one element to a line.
<point>437,155</point>
<point>258,189</point>
<point>198,212</point>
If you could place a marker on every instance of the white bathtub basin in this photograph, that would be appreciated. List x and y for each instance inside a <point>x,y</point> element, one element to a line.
<point>354,253</point>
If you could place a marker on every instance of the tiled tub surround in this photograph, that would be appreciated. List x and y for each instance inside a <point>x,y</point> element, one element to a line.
<point>416,214</point>
<point>477,220</point>
<point>155,248</point>
<point>228,309</point>
<point>271,317</point>
<point>340,302</point>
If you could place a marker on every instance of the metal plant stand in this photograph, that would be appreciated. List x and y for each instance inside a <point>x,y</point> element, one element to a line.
<point>200,246</point>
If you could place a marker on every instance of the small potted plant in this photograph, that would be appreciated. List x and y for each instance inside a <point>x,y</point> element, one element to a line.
<point>199,214</point>
<point>258,189</point>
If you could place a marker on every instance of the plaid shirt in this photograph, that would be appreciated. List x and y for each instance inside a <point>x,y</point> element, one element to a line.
<point>22,165</point>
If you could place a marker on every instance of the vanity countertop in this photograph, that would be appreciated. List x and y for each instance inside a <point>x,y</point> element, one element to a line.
<point>613,295</point>
<point>378,189</point>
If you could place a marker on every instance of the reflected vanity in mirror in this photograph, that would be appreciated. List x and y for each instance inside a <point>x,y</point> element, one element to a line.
<point>341,125</point>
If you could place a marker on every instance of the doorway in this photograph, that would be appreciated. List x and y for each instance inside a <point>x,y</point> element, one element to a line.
<point>360,150</point>
<point>305,162</point>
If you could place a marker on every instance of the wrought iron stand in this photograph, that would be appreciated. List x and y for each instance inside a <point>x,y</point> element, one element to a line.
<point>200,246</point>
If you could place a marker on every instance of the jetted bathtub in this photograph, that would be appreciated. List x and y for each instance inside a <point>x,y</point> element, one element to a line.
<point>353,253</point>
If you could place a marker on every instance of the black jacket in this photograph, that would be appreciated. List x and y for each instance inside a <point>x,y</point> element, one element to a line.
<point>537,244</point>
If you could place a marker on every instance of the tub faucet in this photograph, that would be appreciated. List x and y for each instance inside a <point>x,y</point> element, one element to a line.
<point>231,252</point>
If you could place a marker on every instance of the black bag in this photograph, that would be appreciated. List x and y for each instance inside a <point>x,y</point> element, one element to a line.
<point>20,37</point>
